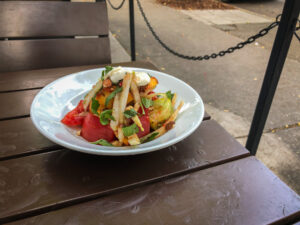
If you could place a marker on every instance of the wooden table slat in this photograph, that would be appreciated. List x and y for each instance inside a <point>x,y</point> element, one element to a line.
<point>234,193</point>
<point>49,180</point>
<point>17,104</point>
<point>11,81</point>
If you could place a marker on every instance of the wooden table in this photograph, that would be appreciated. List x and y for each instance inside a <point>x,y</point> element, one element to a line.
<point>208,178</point>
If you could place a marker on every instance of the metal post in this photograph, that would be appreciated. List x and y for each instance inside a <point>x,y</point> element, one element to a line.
<point>132,33</point>
<point>279,52</point>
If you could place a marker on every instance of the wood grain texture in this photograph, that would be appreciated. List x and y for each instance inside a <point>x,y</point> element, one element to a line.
<point>241,192</point>
<point>20,80</point>
<point>49,180</point>
<point>20,137</point>
<point>17,104</point>
<point>49,53</point>
<point>52,19</point>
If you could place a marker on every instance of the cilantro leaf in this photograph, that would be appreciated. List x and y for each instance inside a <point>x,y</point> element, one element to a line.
<point>102,76</point>
<point>130,130</point>
<point>130,113</point>
<point>169,95</point>
<point>95,105</point>
<point>108,69</point>
<point>104,72</point>
<point>102,142</point>
<point>112,95</point>
<point>105,116</point>
<point>148,138</point>
<point>147,102</point>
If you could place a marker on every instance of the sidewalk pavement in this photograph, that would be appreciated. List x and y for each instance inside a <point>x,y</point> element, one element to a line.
<point>229,85</point>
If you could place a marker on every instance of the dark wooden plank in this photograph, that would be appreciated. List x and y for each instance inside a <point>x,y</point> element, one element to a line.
<point>17,104</point>
<point>19,137</point>
<point>45,181</point>
<point>241,192</point>
<point>52,19</point>
<point>10,81</point>
<point>49,53</point>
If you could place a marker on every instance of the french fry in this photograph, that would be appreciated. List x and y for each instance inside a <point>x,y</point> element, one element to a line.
<point>115,113</point>
<point>174,99</point>
<point>124,95</point>
<point>87,99</point>
<point>120,135</point>
<point>134,140</point>
<point>137,106</point>
<point>137,121</point>
<point>175,113</point>
<point>135,91</point>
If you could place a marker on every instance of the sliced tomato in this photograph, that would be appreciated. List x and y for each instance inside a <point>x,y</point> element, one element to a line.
<point>93,130</point>
<point>72,118</point>
<point>153,98</point>
<point>145,123</point>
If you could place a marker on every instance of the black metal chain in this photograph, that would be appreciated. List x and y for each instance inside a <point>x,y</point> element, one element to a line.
<point>240,45</point>
<point>114,7</point>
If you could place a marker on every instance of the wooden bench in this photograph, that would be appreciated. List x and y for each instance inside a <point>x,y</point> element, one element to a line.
<point>47,34</point>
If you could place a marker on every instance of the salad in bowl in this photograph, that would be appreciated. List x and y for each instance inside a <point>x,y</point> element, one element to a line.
<point>123,109</point>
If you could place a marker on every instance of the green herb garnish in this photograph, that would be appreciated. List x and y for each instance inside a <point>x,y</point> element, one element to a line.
<point>102,142</point>
<point>142,108</point>
<point>112,95</point>
<point>169,95</point>
<point>130,113</point>
<point>95,105</point>
<point>148,138</point>
<point>105,116</point>
<point>147,102</point>
<point>130,130</point>
<point>104,72</point>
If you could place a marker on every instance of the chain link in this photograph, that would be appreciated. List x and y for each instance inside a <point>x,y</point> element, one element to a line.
<point>240,45</point>
<point>114,7</point>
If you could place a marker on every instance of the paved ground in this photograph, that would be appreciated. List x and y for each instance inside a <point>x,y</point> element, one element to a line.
<point>229,85</point>
<point>269,8</point>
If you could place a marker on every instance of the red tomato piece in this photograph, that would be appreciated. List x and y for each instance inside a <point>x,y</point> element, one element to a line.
<point>72,118</point>
<point>140,111</point>
<point>146,125</point>
<point>93,130</point>
<point>153,98</point>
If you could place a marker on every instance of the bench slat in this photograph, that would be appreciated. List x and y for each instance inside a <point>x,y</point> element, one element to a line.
<point>11,81</point>
<point>52,19</point>
<point>49,53</point>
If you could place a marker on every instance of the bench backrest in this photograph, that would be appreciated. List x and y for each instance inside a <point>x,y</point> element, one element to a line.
<point>44,34</point>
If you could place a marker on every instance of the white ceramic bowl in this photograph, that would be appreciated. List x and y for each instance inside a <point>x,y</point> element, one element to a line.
<point>57,98</point>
